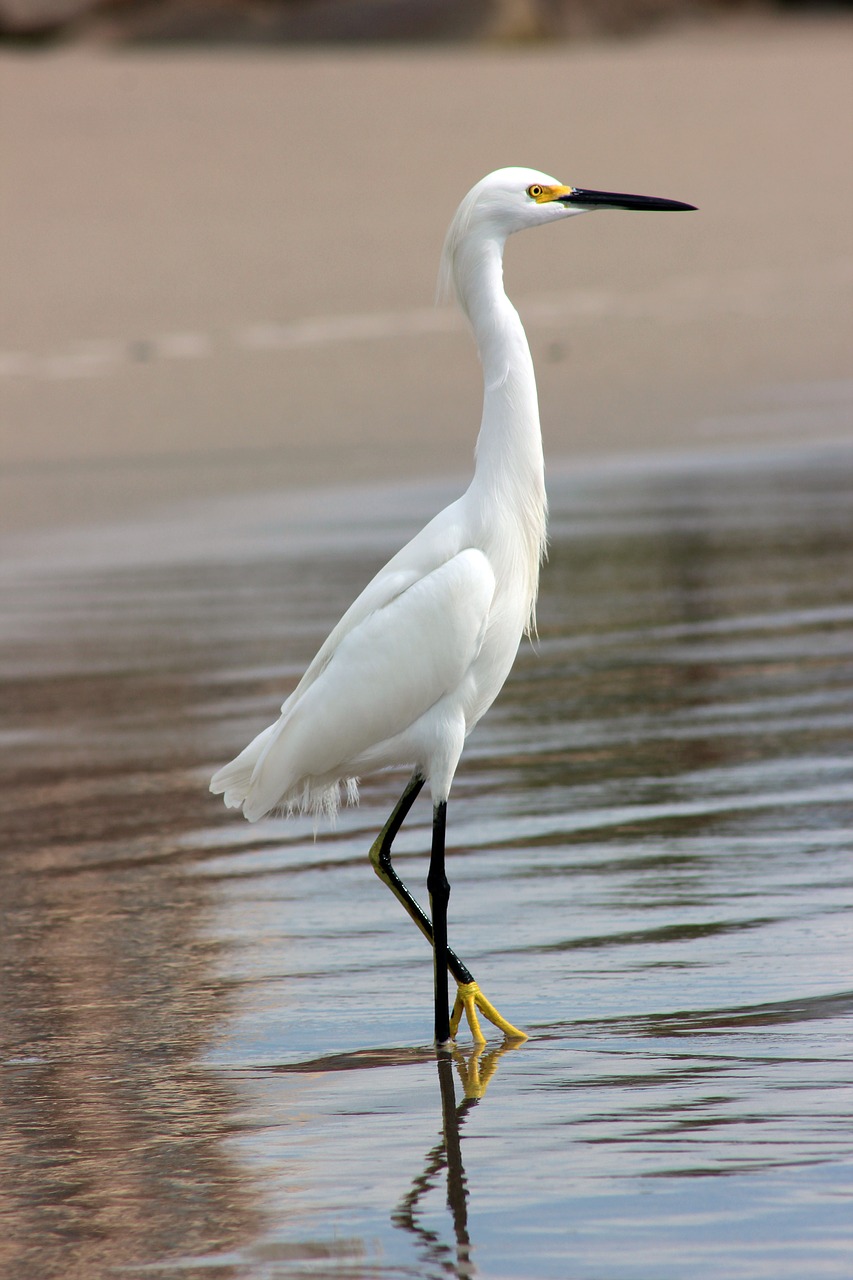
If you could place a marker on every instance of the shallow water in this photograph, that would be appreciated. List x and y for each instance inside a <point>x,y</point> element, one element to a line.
<point>216,1052</point>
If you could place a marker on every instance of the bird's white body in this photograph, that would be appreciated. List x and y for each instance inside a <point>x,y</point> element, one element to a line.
<point>425,649</point>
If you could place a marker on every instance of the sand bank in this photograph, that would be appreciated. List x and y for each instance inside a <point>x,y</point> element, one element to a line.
<point>219,267</point>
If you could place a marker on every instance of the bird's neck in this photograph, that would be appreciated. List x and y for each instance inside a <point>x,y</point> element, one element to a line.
<point>510,469</point>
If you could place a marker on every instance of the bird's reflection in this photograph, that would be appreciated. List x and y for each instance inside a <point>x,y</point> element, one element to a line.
<point>475,1068</point>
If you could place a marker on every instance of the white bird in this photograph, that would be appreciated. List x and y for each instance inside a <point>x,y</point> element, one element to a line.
<point>425,649</point>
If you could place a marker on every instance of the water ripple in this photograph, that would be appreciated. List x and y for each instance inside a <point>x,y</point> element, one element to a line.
<point>215,1037</point>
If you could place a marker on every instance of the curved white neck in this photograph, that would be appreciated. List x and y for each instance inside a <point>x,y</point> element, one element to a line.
<point>509,476</point>
<point>509,445</point>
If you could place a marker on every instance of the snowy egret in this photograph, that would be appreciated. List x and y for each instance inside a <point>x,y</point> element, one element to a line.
<point>425,649</point>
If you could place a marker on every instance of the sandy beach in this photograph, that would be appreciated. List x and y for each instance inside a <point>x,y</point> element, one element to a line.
<point>219,266</point>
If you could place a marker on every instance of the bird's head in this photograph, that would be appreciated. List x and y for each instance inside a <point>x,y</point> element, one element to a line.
<point>510,200</point>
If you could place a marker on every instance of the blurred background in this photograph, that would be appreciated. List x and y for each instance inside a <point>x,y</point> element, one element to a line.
<point>221,224</point>
<point>365,21</point>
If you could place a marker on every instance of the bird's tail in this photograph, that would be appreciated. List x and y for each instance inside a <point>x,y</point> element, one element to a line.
<point>234,780</point>
<point>241,785</point>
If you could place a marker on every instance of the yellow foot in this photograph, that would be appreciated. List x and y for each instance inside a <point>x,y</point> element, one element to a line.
<point>469,998</point>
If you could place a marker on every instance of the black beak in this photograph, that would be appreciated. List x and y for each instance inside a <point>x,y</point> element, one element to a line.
<point>612,200</point>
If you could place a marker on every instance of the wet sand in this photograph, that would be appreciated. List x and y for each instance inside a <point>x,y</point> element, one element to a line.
<point>218,268</point>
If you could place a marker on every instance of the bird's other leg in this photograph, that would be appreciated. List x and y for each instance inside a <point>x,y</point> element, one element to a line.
<point>439,896</point>
<point>380,859</point>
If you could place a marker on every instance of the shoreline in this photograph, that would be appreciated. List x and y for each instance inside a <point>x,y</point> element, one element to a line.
<point>261,522</point>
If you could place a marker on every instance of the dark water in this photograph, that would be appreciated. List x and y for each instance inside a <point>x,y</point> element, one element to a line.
<point>215,1054</point>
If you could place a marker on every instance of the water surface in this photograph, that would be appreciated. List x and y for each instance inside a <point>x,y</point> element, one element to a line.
<point>216,1053</point>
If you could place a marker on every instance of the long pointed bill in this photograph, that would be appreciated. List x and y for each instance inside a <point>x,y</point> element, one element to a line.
<point>613,200</point>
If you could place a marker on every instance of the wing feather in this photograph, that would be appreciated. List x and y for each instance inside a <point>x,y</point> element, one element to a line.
<point>432,547</point>
<point>384,673</point>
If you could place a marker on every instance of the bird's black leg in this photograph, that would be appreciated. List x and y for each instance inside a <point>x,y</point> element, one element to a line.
<point>469,997</point>
<point>439,896</point>
<point>380,858</point>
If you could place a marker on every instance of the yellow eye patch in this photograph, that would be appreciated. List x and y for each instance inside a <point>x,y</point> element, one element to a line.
<point>542,195</point>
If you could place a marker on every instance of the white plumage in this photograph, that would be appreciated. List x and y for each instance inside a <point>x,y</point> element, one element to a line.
<point>424,650</point>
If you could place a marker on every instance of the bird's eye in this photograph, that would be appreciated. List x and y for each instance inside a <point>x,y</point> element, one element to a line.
<point>535,191</point>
